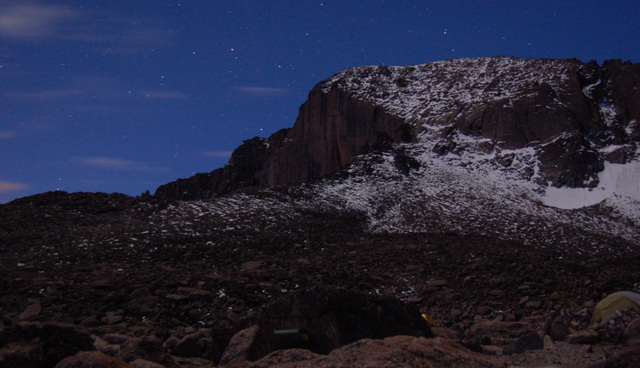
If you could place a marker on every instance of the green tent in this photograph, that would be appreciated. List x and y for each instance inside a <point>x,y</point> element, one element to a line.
<point>607,308</point>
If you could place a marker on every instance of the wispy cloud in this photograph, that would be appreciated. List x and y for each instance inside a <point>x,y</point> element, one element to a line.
<point>8,134</point>
<point>29,20</point>
<point>46,94</point>
<point>26,20</point>
<point>38,125</point>
<point>218,154</point>
<point>110,163</point>
<point>163,95</point>
<point>75,88</point>
<point>87,94</point>
<point>262,91</point>
<point>9,186</point>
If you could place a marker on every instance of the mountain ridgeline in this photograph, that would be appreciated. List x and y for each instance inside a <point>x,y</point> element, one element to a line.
<point>573,116</point>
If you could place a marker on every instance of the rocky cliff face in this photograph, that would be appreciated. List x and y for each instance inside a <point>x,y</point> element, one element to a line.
<point>331,129</point>
<point>573,116</point>
<point>246,161</point>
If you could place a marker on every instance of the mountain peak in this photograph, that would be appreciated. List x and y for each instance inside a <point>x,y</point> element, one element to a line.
<point>565,119</point>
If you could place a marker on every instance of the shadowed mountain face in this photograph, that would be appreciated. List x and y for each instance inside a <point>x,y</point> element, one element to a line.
<point>574,118</point>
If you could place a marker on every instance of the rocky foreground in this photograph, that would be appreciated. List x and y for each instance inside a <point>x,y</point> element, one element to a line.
<point>125,296</point>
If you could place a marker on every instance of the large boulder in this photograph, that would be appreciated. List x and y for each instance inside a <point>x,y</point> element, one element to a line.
<point>147,348</point>
<point>322,319</point>
<point>241,346</point>
<point>47,342</point>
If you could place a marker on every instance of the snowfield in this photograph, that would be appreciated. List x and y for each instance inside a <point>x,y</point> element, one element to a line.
<point>620,181</point>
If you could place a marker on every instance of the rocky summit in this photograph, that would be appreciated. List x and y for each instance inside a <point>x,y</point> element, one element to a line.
<point>463,213</point>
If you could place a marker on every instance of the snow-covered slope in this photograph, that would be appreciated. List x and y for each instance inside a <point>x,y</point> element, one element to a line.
<point>444,194</point>
<point>465,194</point>
<point>426,93</point>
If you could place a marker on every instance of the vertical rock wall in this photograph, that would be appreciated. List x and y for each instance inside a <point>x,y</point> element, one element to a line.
<point>331,129</point>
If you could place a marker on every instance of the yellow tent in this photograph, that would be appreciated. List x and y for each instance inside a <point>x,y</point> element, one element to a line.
<point>607,308</point>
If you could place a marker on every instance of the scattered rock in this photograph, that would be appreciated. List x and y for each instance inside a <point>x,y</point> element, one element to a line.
<point>584,337</point>
<point>31,312</point>
<point>496,293</point>
<point>143,305</point>
<point>548,342</point>
<point>297,357</point>
<point>91,359</point>
<point>194,362</point>
<point>112,318</point>
<point>141,363</point>
<point>242,347</point>
<point>191,346</point>
<point>140,293</point>
<point>558,330</point>
<point>533,304</point>
<point>146,348</point>
<point>397,351</point>
<point>251,266</point>
<point>90,321</point>
<point>116,339</point>
<point>105,347</point>
<point>633,329</point>
<point>512,337</point>
<point>189,291</point>
<point>483,310</point>
<point>438,283</point>
<point>627,359</point>
<point>171,343</point>
<point>21,354</point>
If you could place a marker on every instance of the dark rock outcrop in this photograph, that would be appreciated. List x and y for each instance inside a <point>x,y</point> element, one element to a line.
<point>323,319</point>
<point>244,166</point>
<point>41,344</point>
<point>331,129</point>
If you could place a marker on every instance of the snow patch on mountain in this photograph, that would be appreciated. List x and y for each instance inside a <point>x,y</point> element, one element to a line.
<point>468,195</point>
<point>616,180</point>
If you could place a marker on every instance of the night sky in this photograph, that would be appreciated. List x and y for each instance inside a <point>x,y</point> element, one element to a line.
<point>123,96</point>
